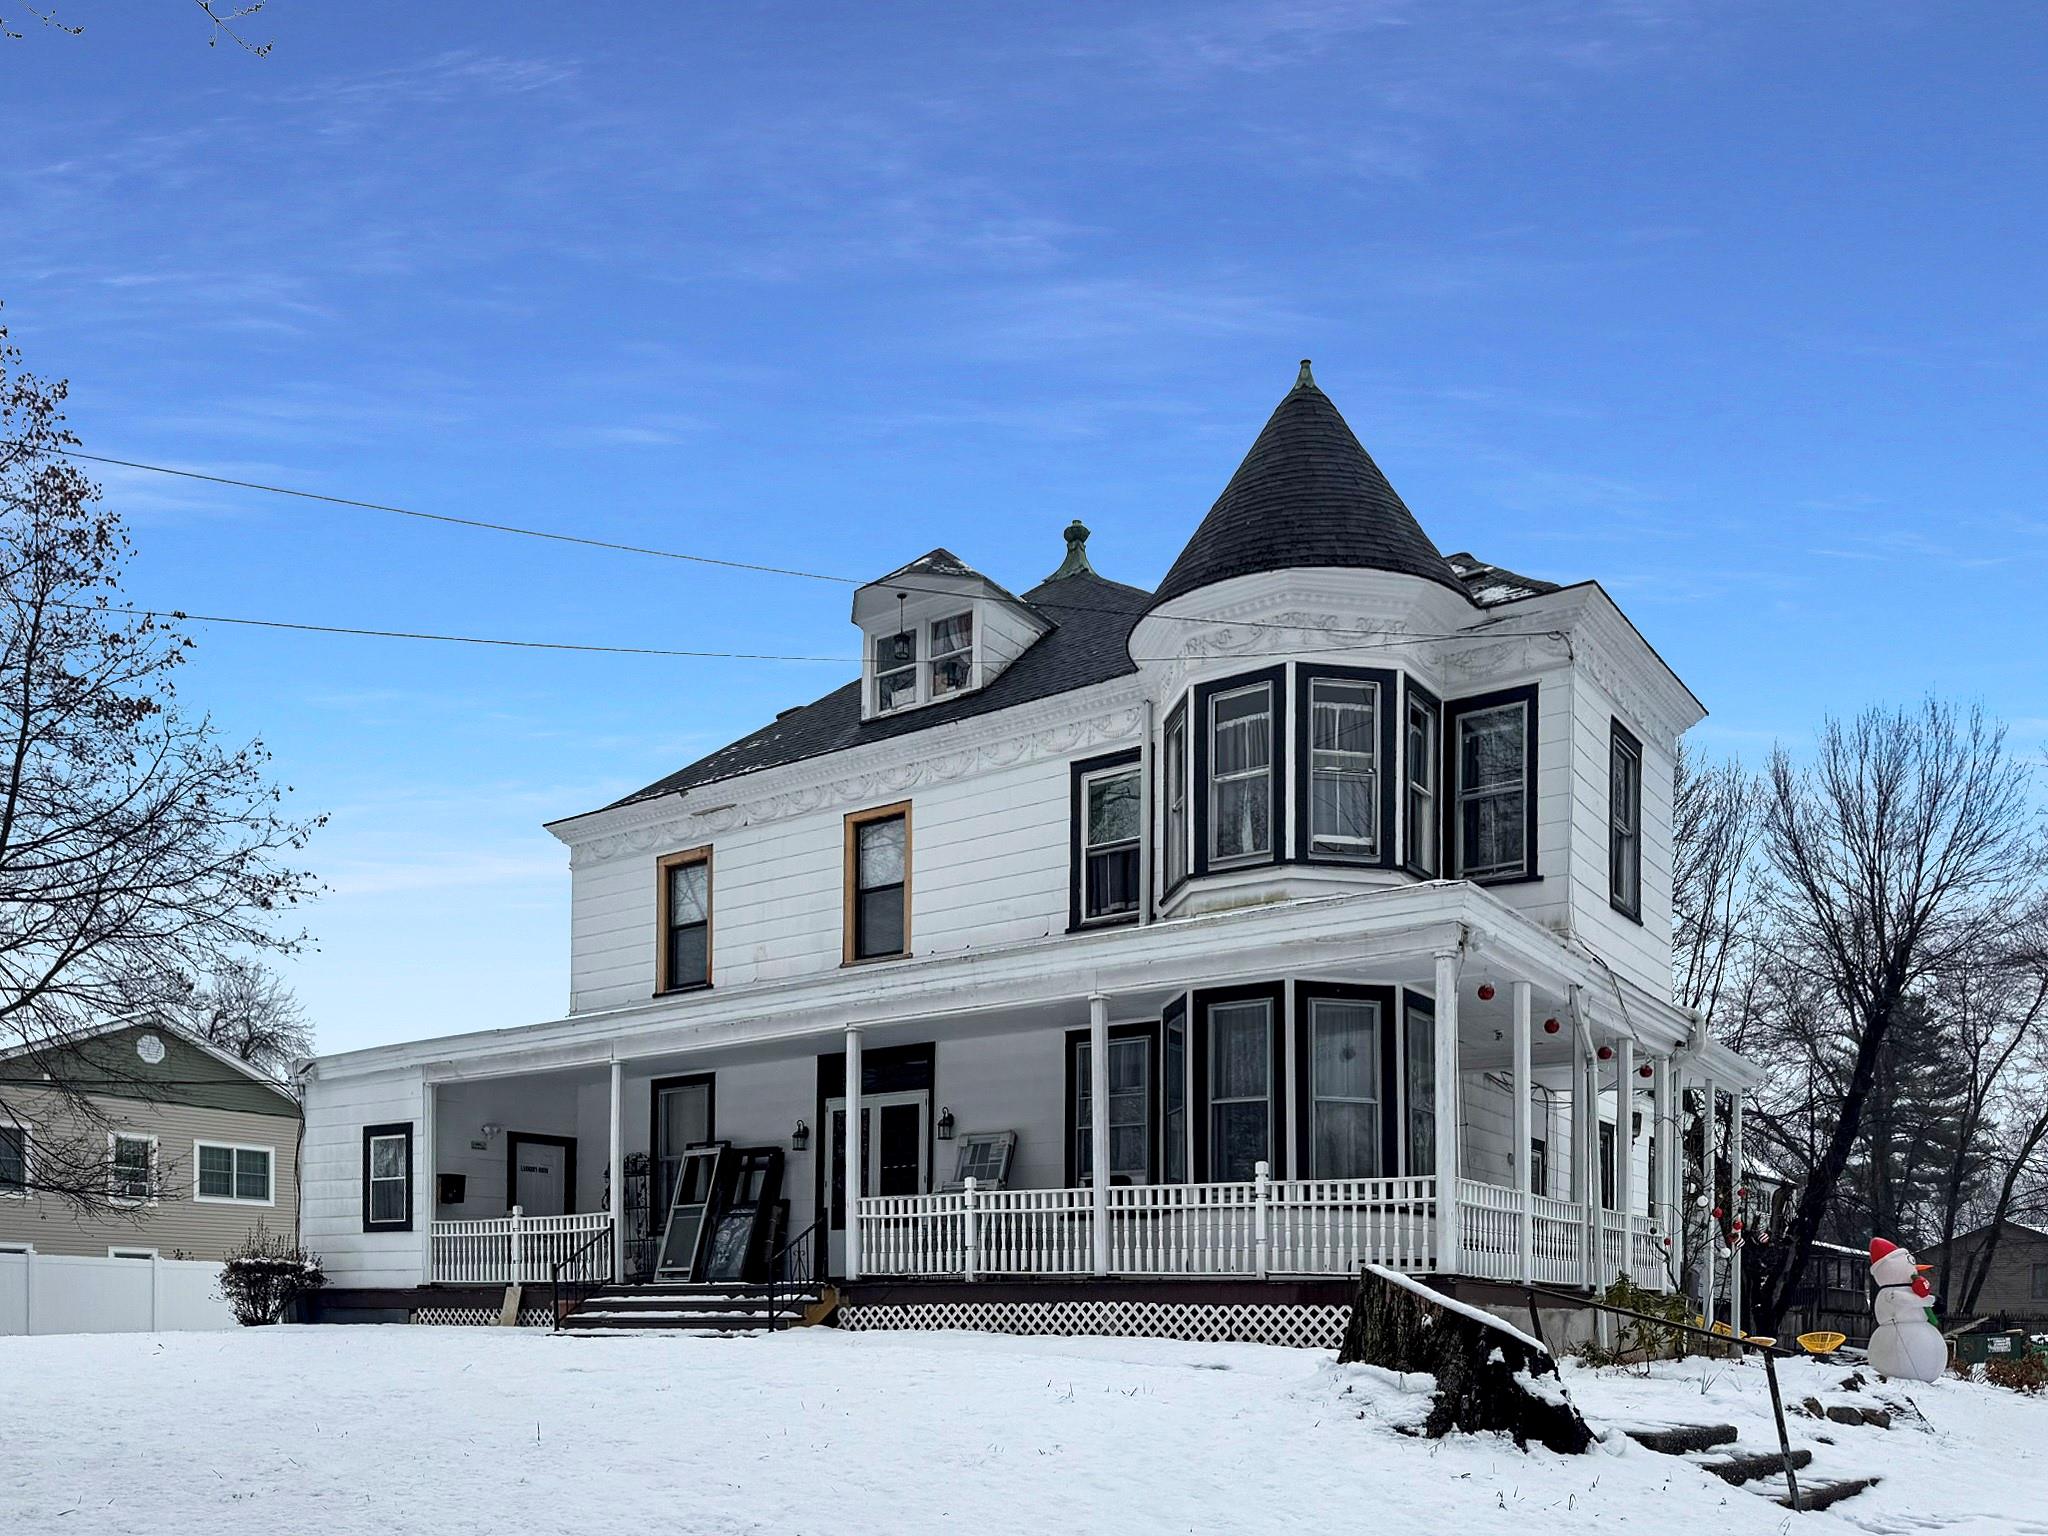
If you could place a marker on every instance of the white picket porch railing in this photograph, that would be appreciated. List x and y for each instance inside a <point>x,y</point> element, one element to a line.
<point>1560,1241</point>
<point>520,1249</point>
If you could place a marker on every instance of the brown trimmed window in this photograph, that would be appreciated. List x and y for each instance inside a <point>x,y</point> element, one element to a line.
<point>878,883</point>
<point>685,897</point>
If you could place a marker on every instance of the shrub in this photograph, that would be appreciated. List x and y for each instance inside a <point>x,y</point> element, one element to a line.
<point>1637,1341</point>
<point>266,1277</point>
<point>2019,1373</point>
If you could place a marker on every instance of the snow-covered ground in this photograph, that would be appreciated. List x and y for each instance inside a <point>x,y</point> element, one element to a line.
<point>387,1431</point>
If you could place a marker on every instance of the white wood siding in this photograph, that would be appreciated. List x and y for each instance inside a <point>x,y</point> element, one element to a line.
<point>1639,951</point>
<point>331,1179</point>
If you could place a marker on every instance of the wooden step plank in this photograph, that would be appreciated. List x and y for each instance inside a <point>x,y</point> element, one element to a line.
<point>1822,1495</point>
<point>1677,1439</point>
<point>1747,1468</point>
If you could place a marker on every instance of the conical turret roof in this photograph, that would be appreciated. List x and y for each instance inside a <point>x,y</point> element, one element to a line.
<point>1308,494</point>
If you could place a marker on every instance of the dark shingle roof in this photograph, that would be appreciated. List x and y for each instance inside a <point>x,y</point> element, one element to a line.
<point>1491,585</point>
<point>1089,643</point>
<point>1306,495</point>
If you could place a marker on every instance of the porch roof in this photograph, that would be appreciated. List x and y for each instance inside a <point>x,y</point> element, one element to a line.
<point>1049,980</point>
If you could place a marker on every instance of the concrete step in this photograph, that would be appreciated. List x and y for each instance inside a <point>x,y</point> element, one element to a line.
<point>1677,1439</point>
<point>1752,1465</point>
<point>1823,1495</point>
<point>634,1301</point>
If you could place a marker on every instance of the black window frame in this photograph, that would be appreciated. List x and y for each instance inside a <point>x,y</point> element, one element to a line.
<point>1609,1152</point>
<point>664,959</point>
<point>1147,1030</point>
<point>1173,1018</point>
<point>1539,1166</point>
<point>1170,879</point>
<point>1415,1004</point>
<point>20,1189</point>
<point>375,1133</point>
<point>1200,731</point>
<point>1079,774</point>
<point>1451,759</point>
<point>1623,745</point>
<point>1277,1095</point>
<point>1392,1101</point>
<point>1415,697</point>
<point>1386,705</point>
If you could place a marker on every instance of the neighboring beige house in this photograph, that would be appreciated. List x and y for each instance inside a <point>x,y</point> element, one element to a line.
<point>200,1148</point>
<point>2016,1289</point>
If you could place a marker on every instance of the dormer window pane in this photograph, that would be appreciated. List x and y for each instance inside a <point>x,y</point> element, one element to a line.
<point>1343,768</point>
<point>895,669</point>
<point>952,654</point>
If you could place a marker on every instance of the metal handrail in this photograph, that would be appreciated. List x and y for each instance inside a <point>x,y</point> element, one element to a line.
<point>575,1257</point>
<point>781,1280</point>
<point>1734,1336</point>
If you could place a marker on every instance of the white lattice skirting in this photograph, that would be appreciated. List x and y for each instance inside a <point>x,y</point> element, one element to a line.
<point>479,1317</point>
<point>1301,1326</point>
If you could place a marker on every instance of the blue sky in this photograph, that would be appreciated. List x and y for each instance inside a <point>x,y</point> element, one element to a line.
<point>1737,307</point>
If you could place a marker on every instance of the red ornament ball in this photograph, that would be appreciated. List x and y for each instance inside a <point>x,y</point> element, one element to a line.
<point>1550,1026</point>
<point>1646,1071</point>
<point>1486,991</point>
<point>1717,1213</point>
<point>1607,1053</point>
<point>1736,1227</point>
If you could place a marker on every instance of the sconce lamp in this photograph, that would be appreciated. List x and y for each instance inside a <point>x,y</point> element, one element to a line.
<point>490,1130</point>
<point>945,1123</point>
<point>800,1137</point>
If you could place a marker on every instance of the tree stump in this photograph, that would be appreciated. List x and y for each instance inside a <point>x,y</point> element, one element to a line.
<point>1484,1369</point>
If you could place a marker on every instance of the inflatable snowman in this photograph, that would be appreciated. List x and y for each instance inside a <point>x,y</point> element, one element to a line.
<point>1906,1343</point>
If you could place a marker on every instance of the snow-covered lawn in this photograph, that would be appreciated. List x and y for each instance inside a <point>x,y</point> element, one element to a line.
<point>510,1432</point>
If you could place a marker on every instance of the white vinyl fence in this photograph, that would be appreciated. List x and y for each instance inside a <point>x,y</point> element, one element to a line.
<point>62,1293</point>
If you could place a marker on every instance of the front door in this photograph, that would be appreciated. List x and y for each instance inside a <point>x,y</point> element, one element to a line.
<point>895,1145</point>
<point>540,1175</point>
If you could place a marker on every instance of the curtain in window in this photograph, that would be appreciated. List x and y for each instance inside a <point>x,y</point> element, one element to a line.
<point>1240,1082</point>
<point>1240,771</point>
<point>1130,1111</point>
<point>1344,1087</point>
<point>1343,813</point>
<point>952,654</point>
<point>387,1178</point>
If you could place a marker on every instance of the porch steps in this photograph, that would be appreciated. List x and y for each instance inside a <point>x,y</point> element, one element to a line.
<point>723,1308</point>
<point>1713,1448</point>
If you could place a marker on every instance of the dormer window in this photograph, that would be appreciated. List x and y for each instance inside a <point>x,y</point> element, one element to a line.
<point>952,654</point>
<point>895,670</point>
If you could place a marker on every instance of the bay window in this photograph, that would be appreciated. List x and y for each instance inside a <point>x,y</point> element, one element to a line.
<point>1130,1110</point>
<point>1241,775</point>
<point>1418,1049</point>
<point>1423,778</point>
<point>1344,1095</point>
<point>1343,768</point>
<point>1240,1082</point>
<point>1493,741</point>
<point>1174,777</point>
<point>1173,1092</point>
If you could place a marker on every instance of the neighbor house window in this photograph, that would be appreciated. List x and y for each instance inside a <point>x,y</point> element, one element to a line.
<point>14,1160</point>
<point>1241,775</point>
<point>1419,1084</point>
<point>1112,814</point>
<point>952,654</point>
<point>1130,1111</point>
<point>1490,819</point>
<point>2041,1282</point>
<point>685,920</point>
<point>132,1166</point>
<point>387,1178</point>
<point>1423,778</point>
<point>233,1173</point>
<point>1173,1095</point>
<point>1240,1089</point>
<point>895,670</point>
<point>1343,768</point>
<point>1625,822</point>
<point>878,883</point>
<point>1175,774</point>
<point>1344,1088</point>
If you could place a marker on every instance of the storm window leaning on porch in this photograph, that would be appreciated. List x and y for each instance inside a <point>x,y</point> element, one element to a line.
<point>1344,1088</point>
<point>1240,1089</point>
<point>685,920</point>
<point>1241,775</point>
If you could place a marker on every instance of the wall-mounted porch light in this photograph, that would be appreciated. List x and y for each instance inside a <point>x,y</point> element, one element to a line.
<point>945,1123</point>
<point>800,1137</point>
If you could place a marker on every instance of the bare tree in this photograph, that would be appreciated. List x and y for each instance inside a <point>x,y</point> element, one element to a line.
<point>223,18</point>
<point>135,847</point>
<point>1906,841</point>
<point>1713,879</point>
<point>246,1009</point>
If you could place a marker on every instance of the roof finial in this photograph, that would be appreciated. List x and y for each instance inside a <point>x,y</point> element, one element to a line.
<point>1305,379</point>
<point>1076,563</point>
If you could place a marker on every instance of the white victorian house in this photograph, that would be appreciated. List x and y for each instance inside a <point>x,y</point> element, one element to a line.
<point>1097,957</point>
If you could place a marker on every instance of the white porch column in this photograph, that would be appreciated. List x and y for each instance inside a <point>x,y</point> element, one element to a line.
<point>1098,1126</point>
<point>1625,1149</point>
<point>1589,1159</point>
<point>849,1171</point>
<point>1523,1168</point>
<point>425,1164</point>
<point>1663,1200</point>
<point>1447,1112</point>
<point>617,1152</point>
<point>1710,1186</point>
<point>1736,1206</point>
